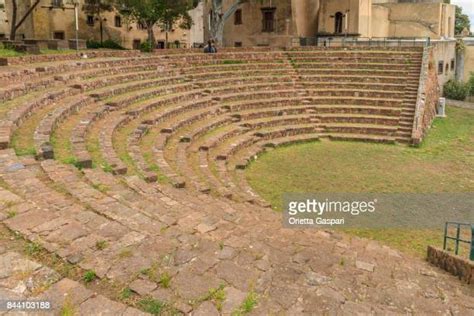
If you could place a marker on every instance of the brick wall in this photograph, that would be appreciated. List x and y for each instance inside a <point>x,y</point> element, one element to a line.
<point>460,267</point>
<point>30,59</point>
<point>428,96</point>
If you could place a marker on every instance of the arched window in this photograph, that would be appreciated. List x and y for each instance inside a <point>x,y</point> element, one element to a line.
<point>338,21</point>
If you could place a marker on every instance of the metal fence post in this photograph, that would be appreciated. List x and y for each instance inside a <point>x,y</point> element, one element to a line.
<point>458,231</point>
<point>471,256</point>
<point>445,235</point>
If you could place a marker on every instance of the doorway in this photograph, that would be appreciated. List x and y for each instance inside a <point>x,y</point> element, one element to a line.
<point>338,21</point>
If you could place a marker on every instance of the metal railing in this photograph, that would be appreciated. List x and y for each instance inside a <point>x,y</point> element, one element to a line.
<point>343,41</point>
<point>457,239</point>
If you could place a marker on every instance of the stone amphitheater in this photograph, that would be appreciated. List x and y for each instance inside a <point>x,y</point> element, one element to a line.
<point>135,172</point>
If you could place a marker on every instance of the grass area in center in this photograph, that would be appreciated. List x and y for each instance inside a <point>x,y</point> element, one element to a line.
<point>443,163</point>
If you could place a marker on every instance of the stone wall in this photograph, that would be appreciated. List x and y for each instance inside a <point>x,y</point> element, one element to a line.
<point>428,96</point>
<point>30,59</point>
<point>460,267</point>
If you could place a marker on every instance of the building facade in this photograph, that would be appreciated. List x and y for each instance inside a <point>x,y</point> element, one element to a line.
<point>275,22</point>
<point>55,19</point>
<point>280,22</point>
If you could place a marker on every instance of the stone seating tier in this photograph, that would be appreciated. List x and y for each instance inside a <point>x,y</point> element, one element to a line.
<point>159,143</point>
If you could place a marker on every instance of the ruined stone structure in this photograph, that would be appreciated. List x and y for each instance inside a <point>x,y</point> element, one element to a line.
<point>139,174</point>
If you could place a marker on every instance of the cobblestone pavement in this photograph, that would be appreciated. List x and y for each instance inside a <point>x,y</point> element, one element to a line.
<point>203,247</point>
<point>24,280</point>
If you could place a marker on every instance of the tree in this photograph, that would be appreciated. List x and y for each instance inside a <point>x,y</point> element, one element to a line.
<point>14,25</point>
<point>96,8</point>
<point>152,12</point>
<point>462,20</point>
<point>175,13</point>
<point>218,17</point>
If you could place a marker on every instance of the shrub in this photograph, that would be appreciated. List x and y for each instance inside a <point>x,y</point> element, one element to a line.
<point>471,84</point>
<point>146,47</point>
<point>91,44</point>
<point>456,90</point>
<point>109,44</point>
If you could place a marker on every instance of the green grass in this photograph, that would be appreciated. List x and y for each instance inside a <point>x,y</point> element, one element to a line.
<point>32,248</point>
<point>151,306</point>
<point>165,280</point>
<point>89,276</point>
<point>11,214</point>
<point>9,53</point>
<point>247,305</point>
<point>443,163</point>
<point>57,52</point>
<point>126,293</point>
<point>5,52</point>
<point>68,308</point>
<point>101,244</point>
<point>233,62</point>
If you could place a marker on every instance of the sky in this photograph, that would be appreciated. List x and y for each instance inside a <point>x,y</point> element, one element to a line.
<point>467,8</point>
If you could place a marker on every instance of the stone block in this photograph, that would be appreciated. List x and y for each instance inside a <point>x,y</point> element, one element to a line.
<point>79,44</point>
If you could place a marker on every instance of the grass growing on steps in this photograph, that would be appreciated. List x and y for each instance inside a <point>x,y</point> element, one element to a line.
<point>443,163</point>
<point>4,52</point>
<point>23,138</point>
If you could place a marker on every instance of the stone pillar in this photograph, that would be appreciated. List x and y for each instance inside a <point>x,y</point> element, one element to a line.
<point>460,58</point>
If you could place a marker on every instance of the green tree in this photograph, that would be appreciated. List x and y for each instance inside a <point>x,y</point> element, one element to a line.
<point>95,8</point>
<point>462,20</point>
<point>175,13</point>
<point>149,13</point>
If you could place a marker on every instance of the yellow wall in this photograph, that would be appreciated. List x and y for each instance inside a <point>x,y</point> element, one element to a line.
<point>380,21</point>
<point>445,51</point>
<point>305,15</point>
<point>468,62</point>
<point>330,7</point>
<point>4,27</point>
<point>435,20</point>
<point>365,18</point>
<point>249,33</point>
